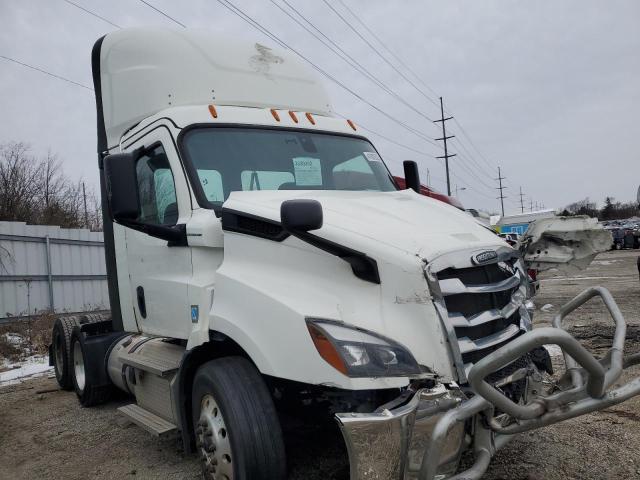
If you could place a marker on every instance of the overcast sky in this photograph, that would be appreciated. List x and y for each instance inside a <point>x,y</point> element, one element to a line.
<point>549,90</point>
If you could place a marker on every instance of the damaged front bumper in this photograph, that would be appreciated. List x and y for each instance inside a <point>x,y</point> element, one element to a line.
<point>424,437</point>
<point>390,444</point>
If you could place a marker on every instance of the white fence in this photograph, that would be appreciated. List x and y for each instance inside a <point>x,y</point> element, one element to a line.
<point>47,268</point>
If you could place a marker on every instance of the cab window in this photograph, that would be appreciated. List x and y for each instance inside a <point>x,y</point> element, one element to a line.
<point>156,189</point>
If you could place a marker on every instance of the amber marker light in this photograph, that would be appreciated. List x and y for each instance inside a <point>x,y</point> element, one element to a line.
<point>326,349</point>
<point>212,111</point>
<point>274,112</point>
<point>351,124</point>
<point>293,116</point>
<point>312,120</point>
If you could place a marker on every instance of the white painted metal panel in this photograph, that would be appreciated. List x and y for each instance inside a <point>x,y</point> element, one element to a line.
<point>76,280</point>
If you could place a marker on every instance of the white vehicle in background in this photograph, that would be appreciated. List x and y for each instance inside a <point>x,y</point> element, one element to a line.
<point>260,257</point>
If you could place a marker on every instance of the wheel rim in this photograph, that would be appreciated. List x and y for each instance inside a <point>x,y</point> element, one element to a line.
<point>213,440</point>
<point>58,355</point>
<point>78,366</point>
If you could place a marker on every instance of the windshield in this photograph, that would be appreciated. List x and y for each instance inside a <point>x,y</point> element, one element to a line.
<point>225,160</point>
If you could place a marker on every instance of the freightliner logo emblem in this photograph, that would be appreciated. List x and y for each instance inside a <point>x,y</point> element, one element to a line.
<point>484,257</point>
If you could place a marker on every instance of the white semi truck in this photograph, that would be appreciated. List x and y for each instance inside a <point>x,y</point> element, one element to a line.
<point>261,258</point>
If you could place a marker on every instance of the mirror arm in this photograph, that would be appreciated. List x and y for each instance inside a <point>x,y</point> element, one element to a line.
<point>176,235</point>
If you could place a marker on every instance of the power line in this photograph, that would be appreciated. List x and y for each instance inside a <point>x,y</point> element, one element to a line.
<point>390,140</point>
<point>390,52</point>
<point>229,5</point>
<point>397,70</point>
<point>92,13</point>
<point>41,70</point>
<point>422,82</point>
<point>239,13</point>
<point>164,14</point>
<point>345,56</point>
<point>466,135</point>
<point>471,159</point>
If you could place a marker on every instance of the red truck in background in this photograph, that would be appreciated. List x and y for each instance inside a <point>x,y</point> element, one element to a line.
<point>429,192</point>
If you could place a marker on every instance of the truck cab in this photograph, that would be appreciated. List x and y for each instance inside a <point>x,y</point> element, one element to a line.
<point>260,256</point>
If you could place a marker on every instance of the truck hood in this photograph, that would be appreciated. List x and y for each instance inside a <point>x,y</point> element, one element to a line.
<point>376,222</point>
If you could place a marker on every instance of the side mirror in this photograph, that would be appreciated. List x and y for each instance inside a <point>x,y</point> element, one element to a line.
<point>411,175</point>
<point>122,186</point>
<point>301,215</point>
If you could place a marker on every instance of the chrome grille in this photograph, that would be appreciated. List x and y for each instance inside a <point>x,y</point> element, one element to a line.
<point>481,306</point>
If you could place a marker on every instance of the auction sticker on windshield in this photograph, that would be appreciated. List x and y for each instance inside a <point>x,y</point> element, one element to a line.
<point>307,171</point>
<point>372,156</point>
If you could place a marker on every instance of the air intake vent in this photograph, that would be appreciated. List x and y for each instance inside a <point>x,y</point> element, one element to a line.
<point>239,222</point>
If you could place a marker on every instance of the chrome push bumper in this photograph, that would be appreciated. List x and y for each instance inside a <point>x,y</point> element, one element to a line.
<point>424,438</point>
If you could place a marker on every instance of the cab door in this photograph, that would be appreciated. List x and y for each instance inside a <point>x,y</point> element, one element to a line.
<point>159,271</point>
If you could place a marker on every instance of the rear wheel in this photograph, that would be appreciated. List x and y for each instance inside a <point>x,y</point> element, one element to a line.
<point>61,350</point>
<point>89,393</point>
<point>238,433</point>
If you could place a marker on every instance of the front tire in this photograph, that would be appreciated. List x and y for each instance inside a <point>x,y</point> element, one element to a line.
<point>238,433</point>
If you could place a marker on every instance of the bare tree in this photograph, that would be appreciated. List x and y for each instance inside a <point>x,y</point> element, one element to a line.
<point>37,191</point>
<point>19,182</point>
<point>52,178</point>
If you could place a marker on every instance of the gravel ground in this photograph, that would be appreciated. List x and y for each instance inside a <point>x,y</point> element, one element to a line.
<point>47,435</point>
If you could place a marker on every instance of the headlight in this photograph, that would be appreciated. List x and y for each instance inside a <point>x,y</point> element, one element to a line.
<point>360,353</point>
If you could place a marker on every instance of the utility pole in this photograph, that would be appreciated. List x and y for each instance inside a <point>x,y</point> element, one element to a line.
<point>501,188</point>
<point>84,196</point>
<point>444,138</point>
<point>531,205</point>
<point>521,201</point>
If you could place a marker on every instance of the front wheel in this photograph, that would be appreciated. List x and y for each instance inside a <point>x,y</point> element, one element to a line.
<point>238,433</point>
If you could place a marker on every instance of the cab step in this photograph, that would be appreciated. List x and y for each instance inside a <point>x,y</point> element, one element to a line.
<point>151,422</point>
<point>159,367</point>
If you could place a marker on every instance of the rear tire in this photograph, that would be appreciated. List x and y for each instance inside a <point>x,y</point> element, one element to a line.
<point>238,432</point>
<point>88,393</point>
<point>61,350</point>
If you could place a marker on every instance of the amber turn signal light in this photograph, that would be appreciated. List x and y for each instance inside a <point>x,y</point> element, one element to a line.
<point>326,349</point>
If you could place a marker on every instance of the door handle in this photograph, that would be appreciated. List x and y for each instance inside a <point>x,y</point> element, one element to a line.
<point>142,305</point>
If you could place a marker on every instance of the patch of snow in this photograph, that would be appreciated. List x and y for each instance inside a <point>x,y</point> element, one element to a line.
<point>604,262</point>
<point>13,339</point>
<point>546,307</point>
<point>30,367</point>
